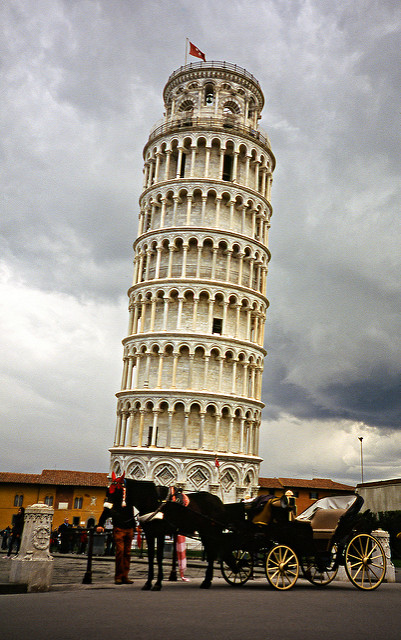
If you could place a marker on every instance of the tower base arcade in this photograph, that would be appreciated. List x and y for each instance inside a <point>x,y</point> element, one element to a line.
<point>230,476</point>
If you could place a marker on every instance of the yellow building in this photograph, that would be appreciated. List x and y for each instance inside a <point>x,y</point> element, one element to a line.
<point>76,495</point>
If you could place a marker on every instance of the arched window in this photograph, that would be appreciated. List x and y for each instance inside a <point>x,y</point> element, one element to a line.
<point>187,105</point>
<point>78,503</point>
<point>49,501</point>
<point>227,167</point>
<point>18,500</point>
<point>231,107</point>
<point>209,94</point>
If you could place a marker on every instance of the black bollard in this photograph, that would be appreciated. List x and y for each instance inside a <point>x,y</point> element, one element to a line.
<point>87,579</point>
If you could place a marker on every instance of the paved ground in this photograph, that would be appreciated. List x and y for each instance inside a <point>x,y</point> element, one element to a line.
<point>182,611</point>
<point>69,571</point>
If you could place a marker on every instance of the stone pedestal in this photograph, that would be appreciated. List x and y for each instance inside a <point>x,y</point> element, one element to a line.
<point>34,564</point>
<point>384,538</point>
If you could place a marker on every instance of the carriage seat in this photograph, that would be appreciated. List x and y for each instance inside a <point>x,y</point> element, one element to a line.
<point>275,509</point>
<point>324,523</point>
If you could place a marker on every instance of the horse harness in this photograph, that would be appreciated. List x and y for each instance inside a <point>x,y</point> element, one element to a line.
<point>174,494</point>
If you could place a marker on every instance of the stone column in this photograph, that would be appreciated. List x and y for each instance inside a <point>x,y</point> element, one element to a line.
<point>207,161</point>
<point>34,564</point>
<point>184,260</point>
<point>169,428</point>
<point>130,427</point>
<point>189,210</point>
<point>217,432</point>
<point>167,168</point>
<point>160,371</point>
<point>383,537</point>
<point>203,212</point>
<point>142,413</point>
<point>128,384</point>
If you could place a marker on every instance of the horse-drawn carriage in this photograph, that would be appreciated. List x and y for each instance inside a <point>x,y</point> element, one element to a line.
<point>316,543</point>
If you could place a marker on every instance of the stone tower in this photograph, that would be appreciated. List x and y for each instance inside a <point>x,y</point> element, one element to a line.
<point>189,408</point>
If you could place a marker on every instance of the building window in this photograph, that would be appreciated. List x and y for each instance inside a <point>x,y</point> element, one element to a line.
<point>313,495</point>
<point>231,107</point>
<point>150,434</point>
<point>182,168</point>
<point>217,325</point>
<point>187,105</point>
<point>75,521</point>
<point>227,167</point>
<point>18,500</point>
<point>49,501</point>
<point>209,94</point>
<point>78,503</point>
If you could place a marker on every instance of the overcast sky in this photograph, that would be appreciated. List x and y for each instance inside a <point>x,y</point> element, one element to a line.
<point>82,85</point>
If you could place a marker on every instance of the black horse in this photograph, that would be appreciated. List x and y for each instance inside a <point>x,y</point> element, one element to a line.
<point>162,512</point>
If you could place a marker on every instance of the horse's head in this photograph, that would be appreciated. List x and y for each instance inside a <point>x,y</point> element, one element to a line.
<point>116,492</point>
<point>116,483</point>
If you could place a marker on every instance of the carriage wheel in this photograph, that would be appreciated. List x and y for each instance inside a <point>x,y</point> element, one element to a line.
<point>282,567</point>
<point>365,562</point>
<point>239,568</point>
<point>317,577</point>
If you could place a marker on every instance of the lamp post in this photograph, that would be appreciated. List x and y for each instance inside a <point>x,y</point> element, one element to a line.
<point>360,440</point>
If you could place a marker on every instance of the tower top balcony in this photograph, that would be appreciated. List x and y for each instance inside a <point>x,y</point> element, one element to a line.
<point>212,70</point>
<point>212,96</point>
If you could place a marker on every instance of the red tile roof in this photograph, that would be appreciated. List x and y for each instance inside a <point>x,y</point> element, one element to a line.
<point>93,479</point>
<point>315,483</point>
<point>19,478</point>
<point>57,477</point>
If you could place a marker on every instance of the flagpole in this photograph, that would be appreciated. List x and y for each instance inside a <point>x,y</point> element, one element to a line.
<point>186,48</point>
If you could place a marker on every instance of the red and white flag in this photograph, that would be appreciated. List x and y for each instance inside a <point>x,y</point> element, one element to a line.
<point>194,51</point>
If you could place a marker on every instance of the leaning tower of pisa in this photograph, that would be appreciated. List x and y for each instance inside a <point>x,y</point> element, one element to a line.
<point>189,408</point>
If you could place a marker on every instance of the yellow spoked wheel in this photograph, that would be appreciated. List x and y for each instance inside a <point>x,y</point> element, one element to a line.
<point>365,562</point>
<point>282,567</point>
<point>237,568</point>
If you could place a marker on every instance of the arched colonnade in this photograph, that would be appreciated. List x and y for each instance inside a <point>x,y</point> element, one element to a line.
<point>200,206</point>
<point>214,157</point>
<point>197,309</point>
<point>187,426</point>
<point>202,256</point>
<point>192,367</point>
<point>229,479</point>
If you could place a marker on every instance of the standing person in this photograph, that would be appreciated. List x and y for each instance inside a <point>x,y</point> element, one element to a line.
<point>123,527</point>
<point>182,556</point>
<point>64,535</point>
<point>6,534</point>
<point>16,532</point>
